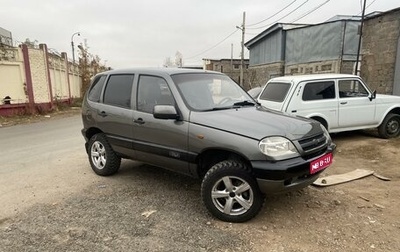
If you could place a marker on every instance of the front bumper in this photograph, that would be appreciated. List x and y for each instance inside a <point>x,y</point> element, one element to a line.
<point>286,175</point>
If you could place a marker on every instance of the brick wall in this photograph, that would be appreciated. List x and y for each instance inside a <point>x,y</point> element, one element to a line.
<point>328,66</point>
<point>379,50</point>
<point>259,75</point>
<point>231,69</point>
<point>39,76</point>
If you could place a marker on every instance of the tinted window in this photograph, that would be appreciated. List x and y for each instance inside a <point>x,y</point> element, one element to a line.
<point>351,88</point>
<point>319,91</point>
<point>275,92</point>
<point>153,91</point>
<point>97,87</point>
<point>118,90</point>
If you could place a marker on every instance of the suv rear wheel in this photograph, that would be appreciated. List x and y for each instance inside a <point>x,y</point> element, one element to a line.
<point>231,193</point>
<point>102,157</point>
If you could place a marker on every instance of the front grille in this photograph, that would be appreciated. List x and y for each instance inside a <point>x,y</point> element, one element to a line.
<point>313,146</point>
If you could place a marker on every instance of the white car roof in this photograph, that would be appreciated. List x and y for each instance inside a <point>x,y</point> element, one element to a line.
<point>299,78</point>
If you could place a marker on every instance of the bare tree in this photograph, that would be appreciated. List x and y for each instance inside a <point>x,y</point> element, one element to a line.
<point>89,65</point>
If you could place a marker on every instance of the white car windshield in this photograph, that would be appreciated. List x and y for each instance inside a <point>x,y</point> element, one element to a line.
<point>207,91</point>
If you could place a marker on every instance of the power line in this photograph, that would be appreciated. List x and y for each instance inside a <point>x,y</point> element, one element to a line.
<point>298,7</point>
<point>311,11</point>
<point>230,35</point>
<point>366,7</point>
<point>284,8</point>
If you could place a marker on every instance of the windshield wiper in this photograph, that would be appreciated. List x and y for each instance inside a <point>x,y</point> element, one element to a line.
<point>244,103</point>
<point>217,108</point>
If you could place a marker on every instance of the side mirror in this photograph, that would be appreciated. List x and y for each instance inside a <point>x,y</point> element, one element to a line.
<point>165,112</point>
<point>373,96</point>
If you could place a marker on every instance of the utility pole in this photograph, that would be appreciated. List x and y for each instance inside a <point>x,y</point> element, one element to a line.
<point>242,53</point>
<point>231,57</point>
<point>359,40</point>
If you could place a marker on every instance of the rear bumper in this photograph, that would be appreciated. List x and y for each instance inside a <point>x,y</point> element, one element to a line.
<point>286,175</point>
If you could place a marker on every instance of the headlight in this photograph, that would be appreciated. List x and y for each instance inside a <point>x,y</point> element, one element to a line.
<point>326,133</point>
<point>278,147</point>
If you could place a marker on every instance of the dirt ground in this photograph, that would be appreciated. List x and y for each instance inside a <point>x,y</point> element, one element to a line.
<point>148,210</point>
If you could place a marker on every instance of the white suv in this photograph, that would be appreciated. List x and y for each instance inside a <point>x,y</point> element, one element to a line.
<point>340,102</point>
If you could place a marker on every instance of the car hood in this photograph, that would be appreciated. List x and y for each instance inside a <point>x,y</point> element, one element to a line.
<point>381,98</point>
<point>257,122</point>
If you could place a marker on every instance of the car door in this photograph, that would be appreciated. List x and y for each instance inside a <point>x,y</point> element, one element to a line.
<point>114,114</point>
<point>315,99</point>
<point>161,142</point>
<point>355,106</point>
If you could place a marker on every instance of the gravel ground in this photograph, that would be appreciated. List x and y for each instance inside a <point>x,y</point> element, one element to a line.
<point>143,208</point>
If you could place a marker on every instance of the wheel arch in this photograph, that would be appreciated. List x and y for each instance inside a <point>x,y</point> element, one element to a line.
<point>321,120</point>
<point>395,110</point>
<point>91,132</point>
<point>210,157</point>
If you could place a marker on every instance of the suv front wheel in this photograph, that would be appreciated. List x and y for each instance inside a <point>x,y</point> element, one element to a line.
<point>102,157</point>
<point>231,193</point>
<point>390,126</point>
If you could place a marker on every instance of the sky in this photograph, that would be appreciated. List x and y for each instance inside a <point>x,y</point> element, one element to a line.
<point>145,33</point>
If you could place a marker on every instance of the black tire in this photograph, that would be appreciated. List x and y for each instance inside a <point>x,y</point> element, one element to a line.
<point>225,181</point>
<point>102,157</point>
<point>390,126</point>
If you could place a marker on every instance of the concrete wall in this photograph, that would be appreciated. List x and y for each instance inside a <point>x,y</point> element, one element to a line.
<point>12,76</point>
<point>35,79</point>
<point>379,51</point>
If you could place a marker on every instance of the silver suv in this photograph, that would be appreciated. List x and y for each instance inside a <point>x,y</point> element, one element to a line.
<point>204,125</point>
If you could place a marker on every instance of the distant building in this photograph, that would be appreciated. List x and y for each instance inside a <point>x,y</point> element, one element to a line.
<point>283,49</point>
<point>5,37</point>
<point>380,64</point>
<point>230,67</point>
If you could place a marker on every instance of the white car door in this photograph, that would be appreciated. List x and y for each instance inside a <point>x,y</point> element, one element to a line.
<point>355,106</point>
<point>316,99</point>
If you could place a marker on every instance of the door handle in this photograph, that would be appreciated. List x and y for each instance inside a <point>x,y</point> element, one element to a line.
<point>343,103</point>
<point>102,114</point>
<point>138,121</point>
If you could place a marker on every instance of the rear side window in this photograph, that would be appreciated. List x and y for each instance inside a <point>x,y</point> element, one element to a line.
<point>97,87</point>
<point>118,90</point>
<point>275,92</point>
<point>319,91</point>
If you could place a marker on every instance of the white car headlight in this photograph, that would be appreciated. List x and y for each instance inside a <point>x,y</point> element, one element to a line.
<point>278,147</point>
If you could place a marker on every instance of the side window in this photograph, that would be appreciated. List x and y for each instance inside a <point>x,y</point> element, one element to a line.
<point>96,88</point>
<point>319,91</point>
<point>351,88</point>
<point>153,91</point>
<point>275,92</point>
<point>118,90</point>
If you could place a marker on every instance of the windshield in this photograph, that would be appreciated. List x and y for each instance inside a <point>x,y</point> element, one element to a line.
<point>207,91</point>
